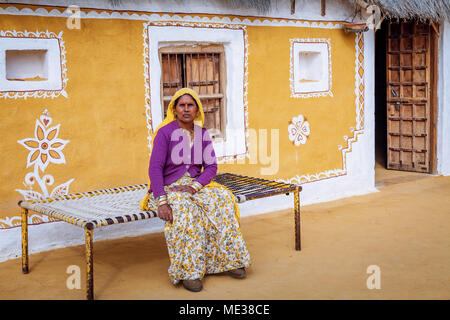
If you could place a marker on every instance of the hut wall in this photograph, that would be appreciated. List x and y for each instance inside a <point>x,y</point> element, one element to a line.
<point>97,117</point>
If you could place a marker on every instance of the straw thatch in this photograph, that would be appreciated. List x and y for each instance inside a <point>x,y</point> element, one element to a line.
<point>401,9</point>
<point>262,6</point>
<point>412,9</point>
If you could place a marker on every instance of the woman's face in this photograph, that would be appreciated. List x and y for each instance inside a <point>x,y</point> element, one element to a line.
<point>186,109</point>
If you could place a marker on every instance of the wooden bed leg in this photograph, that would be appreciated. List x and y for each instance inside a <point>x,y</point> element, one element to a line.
<point>24,240</point>
<point>89,263</point>
<point>297,219</point>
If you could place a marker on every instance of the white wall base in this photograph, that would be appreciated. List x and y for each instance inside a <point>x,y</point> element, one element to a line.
<point>49,236</point>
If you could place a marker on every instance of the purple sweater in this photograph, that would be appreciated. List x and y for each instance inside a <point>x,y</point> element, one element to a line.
<point>172,157</point>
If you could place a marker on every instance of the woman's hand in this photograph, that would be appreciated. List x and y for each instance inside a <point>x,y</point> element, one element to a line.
<point>183,189</point>
<point>165,213</point>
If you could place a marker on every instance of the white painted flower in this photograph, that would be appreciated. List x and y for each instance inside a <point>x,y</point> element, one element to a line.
<point>45,147</point>
<point>298,130</point>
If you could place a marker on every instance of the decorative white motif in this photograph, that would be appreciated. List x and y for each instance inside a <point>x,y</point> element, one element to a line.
<point>39,93</point>
<point>298,130</point>
<point>44,148</point>
<point>359,80</point>
<point>14,222</point>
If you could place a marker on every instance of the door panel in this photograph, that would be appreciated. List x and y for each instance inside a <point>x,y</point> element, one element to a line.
<point>408,96</point>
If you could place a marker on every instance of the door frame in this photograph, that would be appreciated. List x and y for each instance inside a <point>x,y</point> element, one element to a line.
<point>434,63</point>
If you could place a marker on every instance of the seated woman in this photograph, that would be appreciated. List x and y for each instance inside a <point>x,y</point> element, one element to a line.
<point>202,228</point>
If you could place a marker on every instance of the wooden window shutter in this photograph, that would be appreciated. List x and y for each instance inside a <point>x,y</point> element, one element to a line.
<point>201,68</point>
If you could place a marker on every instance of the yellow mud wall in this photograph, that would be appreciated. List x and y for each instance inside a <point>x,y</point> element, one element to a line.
<point>104,118</point>
<point>272,107</point>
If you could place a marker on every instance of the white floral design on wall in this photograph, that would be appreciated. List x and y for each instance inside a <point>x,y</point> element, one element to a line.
<point>44,148</point>
<point>298,130</point>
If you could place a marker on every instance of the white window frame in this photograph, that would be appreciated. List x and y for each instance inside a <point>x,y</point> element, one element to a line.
<point>54,81</point>
<point>233,43</point>
<point>309,89</point>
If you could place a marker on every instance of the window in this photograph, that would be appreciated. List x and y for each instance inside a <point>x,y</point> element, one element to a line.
<point>201,68</point>
<point>32,64</point>
<point>310,68</point>
<point>308,62</point>
<point>226,61</point>
<point>26,65</point>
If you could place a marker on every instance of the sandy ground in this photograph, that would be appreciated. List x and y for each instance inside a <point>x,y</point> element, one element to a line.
<point>404,230</point>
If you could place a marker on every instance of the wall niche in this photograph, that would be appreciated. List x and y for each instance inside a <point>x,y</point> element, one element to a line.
<point>26,65</point>
<point>310,68</point>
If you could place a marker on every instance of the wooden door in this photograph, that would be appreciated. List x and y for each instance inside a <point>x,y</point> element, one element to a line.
<point>409,100</point>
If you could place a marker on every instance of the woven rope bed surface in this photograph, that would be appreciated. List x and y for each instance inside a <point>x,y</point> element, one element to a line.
<point>248,188</point>
<point>118,205</point>
<point>96,208</point>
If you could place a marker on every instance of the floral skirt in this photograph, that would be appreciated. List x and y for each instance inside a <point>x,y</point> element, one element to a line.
<point>204,237</point>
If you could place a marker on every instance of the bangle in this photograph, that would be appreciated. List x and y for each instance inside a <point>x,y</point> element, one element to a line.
<point>196,186</point>
<point>161,200</point>
<point>161,204</point>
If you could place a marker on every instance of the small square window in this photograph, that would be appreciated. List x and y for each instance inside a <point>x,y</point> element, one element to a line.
<point>32,64</point>
<point>310,68</point>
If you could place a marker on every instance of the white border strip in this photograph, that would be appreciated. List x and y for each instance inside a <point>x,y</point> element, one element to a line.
<point>274,22</point>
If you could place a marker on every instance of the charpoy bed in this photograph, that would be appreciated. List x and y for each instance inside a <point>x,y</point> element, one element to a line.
<point>95,209</point>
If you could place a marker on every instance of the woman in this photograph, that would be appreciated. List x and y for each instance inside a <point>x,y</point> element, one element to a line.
<point>202,230</point>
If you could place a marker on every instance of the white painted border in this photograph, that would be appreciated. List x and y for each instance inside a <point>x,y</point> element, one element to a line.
<point>235,61</point>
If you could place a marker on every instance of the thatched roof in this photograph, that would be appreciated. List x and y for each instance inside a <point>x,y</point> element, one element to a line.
<point>409,9</point>
<point>260,5</point>
<point>402,9</point>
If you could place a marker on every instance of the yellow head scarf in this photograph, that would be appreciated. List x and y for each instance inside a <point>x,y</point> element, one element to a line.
<point>199,117</point>
<point>200,121</point>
